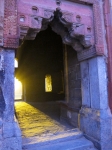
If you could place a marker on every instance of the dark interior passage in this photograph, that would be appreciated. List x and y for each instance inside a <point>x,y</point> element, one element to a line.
<point>50,75</point>
<point>39,59</point>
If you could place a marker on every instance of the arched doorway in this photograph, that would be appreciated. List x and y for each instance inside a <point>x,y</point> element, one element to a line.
<point>91,54</point>
<point>48,56</point>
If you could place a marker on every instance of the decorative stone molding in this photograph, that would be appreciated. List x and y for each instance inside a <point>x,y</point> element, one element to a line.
<point>87,41</point>
<point>23,31</point>
<point>29,31</point>
<point>48,17</point>
<point>77,30</point>
<point>30,25</point>
<point>77,46</point>
<point>72,33</point>
<point>48,14</point>
<point>67,39</point>
<point>66,18</point>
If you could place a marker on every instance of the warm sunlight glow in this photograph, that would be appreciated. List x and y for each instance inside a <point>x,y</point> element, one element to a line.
<point>18,89</point>
<point>48,83</point>
<point>16,63</point>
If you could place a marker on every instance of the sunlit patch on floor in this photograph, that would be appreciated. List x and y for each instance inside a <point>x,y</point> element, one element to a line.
<point>33,122</point>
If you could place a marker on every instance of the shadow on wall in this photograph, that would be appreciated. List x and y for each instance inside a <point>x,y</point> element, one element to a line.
<point>2,102</point>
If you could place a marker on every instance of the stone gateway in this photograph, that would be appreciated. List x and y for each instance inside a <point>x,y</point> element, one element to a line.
<point>84,28</point>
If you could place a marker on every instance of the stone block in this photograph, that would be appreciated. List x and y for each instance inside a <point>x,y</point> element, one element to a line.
<point>12,144</point>
<point>71,69</point>
<point>74,84</point>
<point>74,119</point>
<point>105,130</point>
<point>76,103</point>
<point>17,130</point>
<point>72,76</point>
<point>63,112</point>
<point>102,75</point>
<point>8,130</point>
<point>78,75</point>
<point>78,83</point>
<point>90,122</point>
<point>94,83</point>
<point>98,83</point>
<point>8,86</point>
<point>75,93</point>
<point>1,144</point>
<point>96,125</point>
<point>85,83</point>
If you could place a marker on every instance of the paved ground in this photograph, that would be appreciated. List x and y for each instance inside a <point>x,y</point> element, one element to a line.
<point>34,122</point>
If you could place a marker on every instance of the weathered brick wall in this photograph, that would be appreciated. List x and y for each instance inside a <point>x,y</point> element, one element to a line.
<point>1,21</point>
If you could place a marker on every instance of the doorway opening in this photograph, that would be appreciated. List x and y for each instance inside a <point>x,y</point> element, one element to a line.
<point>50,73</point>
<point>18,89</point>
<point>40,62</point>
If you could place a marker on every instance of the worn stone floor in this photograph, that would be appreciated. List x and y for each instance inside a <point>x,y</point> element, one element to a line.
<point>34,122</point>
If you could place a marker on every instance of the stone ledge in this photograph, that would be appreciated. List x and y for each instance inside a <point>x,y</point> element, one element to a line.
<point>69,114</point>
<point>68,107</point>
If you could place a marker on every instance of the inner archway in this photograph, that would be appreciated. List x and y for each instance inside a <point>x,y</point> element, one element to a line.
<point>38,59</point>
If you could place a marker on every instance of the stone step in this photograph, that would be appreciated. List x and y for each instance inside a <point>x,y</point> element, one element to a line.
<point>69,140</point>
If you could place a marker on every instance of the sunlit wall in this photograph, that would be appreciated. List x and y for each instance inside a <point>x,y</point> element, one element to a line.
<point>16,63</point>
<point>18,89</point>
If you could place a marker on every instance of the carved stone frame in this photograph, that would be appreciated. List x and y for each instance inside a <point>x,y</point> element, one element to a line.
<point>99,30</point>
<point>12,41</point>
